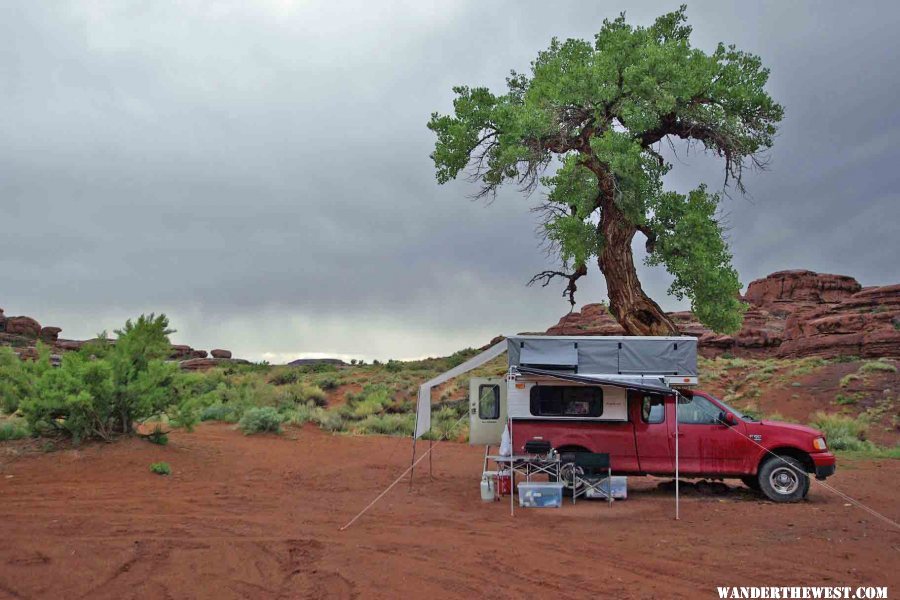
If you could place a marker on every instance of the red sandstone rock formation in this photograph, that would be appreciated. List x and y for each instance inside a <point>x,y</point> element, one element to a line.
<point>790,314</point>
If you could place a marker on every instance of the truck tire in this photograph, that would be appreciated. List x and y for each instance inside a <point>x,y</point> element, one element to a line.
<point>783,479</point>
<point>751,482</point>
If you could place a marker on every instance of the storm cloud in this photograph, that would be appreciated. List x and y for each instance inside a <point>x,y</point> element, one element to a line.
<point>259,171</point>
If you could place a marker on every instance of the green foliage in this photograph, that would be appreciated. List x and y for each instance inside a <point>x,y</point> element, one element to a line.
<point>285,377</point>
<point>158,437</point>
<point>13,429</point>
<point>301,393</point>
<point>844,399</point>
<point>599,109</point>
<point>841,432</point>
<point>104,388</point>
<point>328,420</point>
<point>18,377</point>
<point>221,412</point>
<point>877,366</point>
<point>260,419</point>
<point>848,379</point>
<point>388,424</point>
<point>160,468</point>
<point>328,383</point>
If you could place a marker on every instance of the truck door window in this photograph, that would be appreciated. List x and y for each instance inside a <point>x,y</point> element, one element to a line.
<point>653,409</point>
<point>566,401</point>
<point>489,402</point>
<point>697,410</point>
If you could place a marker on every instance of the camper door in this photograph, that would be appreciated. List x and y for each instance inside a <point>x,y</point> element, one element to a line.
<point>487,410</point>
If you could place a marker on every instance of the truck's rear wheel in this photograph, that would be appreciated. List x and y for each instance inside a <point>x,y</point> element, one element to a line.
<point>783,479</point>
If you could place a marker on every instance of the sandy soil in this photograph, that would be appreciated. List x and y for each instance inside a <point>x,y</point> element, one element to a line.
<point>258,517</point>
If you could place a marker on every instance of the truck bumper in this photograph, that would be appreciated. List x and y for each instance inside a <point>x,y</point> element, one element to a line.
<point>824,464</point>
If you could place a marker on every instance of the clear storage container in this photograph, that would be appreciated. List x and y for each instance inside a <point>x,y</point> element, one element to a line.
<point>540,494</point>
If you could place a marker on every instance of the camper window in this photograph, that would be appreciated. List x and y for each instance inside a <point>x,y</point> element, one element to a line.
<point>566,401</point>
<point>652,409</point>
<point>489,402</point>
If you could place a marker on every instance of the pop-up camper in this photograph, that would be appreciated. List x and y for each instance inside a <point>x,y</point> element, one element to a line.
<point>632,398</point>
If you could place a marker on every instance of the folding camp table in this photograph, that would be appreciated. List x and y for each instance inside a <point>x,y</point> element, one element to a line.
<point>527,465</point>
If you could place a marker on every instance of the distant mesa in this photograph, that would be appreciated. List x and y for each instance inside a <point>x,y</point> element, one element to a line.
<point>301,362</point>
<point>791,314</point>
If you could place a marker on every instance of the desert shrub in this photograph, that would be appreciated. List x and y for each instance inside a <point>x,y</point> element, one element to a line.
<point>300,414</point>
<point>19,376</point>
<point>848,379</point>
<point>393,366</point>
<point>328,383</point>
<point>256,420</point>
<point>220,412</point>
<point>371,401</point>
<point>158,436</point>
<point>14,429</point>
<point>285,377</point>
<point>160,468</point>
<point>877,366</point>
<point>390,424</point>
<point>328,420</point>
<point>841,432</point>
<point>844,399</point>
<point>104,389</point>
<point>301,393</point>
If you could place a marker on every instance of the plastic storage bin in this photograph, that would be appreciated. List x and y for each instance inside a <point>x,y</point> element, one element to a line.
<point>619,488</point>
<point>541,494</point>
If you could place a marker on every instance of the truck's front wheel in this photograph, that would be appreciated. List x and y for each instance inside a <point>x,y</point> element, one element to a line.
<point>783,479</point>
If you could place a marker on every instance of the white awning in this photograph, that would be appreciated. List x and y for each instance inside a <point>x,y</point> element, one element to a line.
<point>423,404</point>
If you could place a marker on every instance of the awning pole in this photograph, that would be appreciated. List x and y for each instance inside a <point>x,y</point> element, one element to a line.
<point>512,472</point>
<point>430,447</point>
<point>412,464</point>
<point>676,455</point>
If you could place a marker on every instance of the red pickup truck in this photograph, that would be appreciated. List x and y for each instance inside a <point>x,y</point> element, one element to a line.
<point>715,441</point>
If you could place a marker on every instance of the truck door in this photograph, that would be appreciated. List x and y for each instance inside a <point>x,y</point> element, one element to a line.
<point>648,413</point>
<point>487,410</point>
<point>706,445</point>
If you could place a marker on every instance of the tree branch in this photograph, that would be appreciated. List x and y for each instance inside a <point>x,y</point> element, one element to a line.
<point>545,277</point>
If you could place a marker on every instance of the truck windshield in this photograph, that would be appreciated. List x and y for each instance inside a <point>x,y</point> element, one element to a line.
<point>736,412</point>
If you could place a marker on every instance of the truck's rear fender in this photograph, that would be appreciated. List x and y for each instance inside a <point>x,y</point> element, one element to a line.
<point>792,451</point>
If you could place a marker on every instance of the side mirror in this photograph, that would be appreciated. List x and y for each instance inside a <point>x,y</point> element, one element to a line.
<point>728,418</point>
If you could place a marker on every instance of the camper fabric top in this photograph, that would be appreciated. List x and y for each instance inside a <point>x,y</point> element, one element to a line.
<point>550,353</point>
<point>603,355</point>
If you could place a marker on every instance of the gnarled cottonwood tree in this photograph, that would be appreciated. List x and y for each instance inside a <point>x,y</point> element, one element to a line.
<point>598,114</point>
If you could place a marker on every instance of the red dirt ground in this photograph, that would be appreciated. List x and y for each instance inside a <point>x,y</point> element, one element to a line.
<point>258,517</point>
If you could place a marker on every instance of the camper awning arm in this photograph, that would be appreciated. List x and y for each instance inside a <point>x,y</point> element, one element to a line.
<point>423,404</point>
<point>644,385</point>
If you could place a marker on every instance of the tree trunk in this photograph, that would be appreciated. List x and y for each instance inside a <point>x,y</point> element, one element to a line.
<point>628,303</point>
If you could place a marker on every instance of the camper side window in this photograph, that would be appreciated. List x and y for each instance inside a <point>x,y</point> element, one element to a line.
<point>566,401</point>
<point>489,402</point>
<point>653,409</point>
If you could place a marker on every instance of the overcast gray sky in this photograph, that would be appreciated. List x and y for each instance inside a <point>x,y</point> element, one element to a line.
<point>259,170</point>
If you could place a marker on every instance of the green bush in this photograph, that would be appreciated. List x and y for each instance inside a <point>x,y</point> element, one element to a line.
<point>877,366</point>
<point>328,383</point>
<point>841,432</point>
<point>256,420</point>
<point>13,430</point>
<point>103,389</point>
<point>160,468</point>
<point>391,424</point>
<point>328,420</point>
<point>302,393</point>
<point>285,377</point>
<point>220,412</point>
<point>845,399</point>
<point>158,436</point>
<point>848,379</point>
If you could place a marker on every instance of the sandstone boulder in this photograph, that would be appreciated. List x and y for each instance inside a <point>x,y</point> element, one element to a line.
<point>219,353</point>
<point>50,334</point>
<point>25,326</point>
